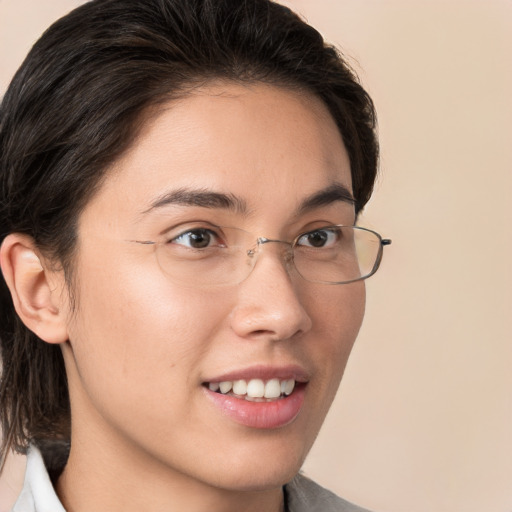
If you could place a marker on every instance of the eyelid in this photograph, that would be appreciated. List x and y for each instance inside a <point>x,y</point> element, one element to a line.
<point>183,227</point>
<point>325,223</point>
<point>317,226</point>
<point>326,227</point>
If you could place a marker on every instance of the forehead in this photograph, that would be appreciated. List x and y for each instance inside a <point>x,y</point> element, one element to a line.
<point>258,142</point>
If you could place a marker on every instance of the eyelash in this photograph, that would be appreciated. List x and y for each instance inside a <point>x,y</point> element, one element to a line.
<point>210,236</point>
<point>201,231</point>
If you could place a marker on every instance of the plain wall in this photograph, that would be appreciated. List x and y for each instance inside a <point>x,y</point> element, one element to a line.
<point>423,421</point>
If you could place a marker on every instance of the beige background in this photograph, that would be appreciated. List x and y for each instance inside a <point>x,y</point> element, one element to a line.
<point>424,419</point>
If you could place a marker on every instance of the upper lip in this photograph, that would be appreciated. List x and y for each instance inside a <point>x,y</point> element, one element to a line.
<point>264,372</point>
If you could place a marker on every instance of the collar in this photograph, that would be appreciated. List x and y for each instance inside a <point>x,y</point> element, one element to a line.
<point>38,494</point>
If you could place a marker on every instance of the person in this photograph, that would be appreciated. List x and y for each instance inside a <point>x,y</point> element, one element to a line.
<point>183,272</point>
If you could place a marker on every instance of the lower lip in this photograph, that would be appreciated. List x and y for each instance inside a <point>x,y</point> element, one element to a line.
<point>262,415</point>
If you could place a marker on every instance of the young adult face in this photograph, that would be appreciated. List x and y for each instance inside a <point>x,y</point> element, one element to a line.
<point>143,346</point>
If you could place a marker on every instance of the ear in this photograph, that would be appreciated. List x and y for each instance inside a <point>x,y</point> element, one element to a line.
<point>35,290</point>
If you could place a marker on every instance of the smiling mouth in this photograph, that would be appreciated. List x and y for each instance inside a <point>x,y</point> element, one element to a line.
<point>254,390</point>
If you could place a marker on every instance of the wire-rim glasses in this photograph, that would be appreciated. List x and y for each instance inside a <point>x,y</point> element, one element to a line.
<point>209,255</point>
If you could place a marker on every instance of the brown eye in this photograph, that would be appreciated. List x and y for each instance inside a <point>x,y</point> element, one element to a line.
<point>200,238</point>
<point>319,238</point>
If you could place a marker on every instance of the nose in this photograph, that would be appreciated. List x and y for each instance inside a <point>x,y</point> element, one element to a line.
<point>269,303</point>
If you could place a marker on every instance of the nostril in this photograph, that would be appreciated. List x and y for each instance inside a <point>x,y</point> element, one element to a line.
<point>261,332</point>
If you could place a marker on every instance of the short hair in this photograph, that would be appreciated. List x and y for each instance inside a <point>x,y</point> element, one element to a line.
<point>77,103</point>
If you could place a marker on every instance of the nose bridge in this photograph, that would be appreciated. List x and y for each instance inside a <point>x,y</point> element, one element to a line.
<point>269,301</point>
<point>286,254</point>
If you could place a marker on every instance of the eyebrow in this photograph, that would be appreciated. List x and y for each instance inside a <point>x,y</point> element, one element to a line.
<point>327,196</point>
<point>216,200</point>
<point>202,198</point>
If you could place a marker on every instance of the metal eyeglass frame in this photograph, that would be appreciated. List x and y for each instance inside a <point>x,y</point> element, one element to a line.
<point>264,240</point>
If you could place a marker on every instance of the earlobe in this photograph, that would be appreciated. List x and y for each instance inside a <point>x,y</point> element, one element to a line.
<point>33,293</point>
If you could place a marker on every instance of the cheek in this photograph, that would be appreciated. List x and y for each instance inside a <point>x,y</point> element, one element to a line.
<point>338,315</point>
<point>338,310</point>
<point>136,334</point>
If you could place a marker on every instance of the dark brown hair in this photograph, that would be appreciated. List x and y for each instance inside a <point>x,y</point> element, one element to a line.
<point>76,104</point>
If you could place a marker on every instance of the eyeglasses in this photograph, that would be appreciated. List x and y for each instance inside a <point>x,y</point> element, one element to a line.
<point>209,255</point>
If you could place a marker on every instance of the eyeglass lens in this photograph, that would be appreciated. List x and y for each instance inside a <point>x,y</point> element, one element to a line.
<point>213,255</point>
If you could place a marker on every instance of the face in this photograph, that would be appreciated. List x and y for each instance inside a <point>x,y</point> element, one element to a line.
<point>144,349</point>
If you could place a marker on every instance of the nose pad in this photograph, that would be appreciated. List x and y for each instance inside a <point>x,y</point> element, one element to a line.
<point>286,254</point>
<point>269,304</point>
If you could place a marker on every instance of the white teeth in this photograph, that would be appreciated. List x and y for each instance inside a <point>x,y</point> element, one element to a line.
<point>272,389</point>
<point>225,387</point>
<point>255,388</point>
<point>290,385</point>
<point>240,387</point>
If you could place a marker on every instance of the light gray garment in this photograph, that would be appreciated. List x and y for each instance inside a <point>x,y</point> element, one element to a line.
<point>304,495</point>
<point>38,494</point>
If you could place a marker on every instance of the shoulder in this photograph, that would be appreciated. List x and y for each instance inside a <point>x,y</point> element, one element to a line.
<point>304,495</point>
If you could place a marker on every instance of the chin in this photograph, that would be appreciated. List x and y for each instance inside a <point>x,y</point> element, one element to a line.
<point>254,480</point>
<point>267,467</point>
